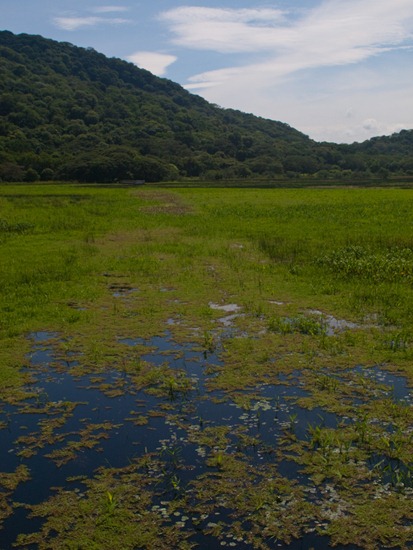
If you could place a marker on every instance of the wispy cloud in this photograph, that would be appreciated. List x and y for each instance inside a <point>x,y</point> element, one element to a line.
<point>224,30</point>
<point>75,22</point>
<point>156,63</point>
<point>110,9</point>
<point>274,51</point>
<point>334,33</point>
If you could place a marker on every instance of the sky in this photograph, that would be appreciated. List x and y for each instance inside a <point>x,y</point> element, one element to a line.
<point>337,70</point>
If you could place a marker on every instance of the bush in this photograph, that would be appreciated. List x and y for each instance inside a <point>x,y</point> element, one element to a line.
<point>47,174</point>
<point>31,175</point>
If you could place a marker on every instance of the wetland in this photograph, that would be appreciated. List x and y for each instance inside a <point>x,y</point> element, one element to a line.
<point>205,368</point>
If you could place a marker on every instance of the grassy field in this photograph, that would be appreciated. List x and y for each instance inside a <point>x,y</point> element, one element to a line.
<point>316,287</point>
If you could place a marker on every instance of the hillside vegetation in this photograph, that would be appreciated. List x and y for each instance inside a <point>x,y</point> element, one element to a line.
<point>70,113</point>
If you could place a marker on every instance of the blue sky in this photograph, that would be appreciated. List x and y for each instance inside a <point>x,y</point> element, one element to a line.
<point>337,70</point>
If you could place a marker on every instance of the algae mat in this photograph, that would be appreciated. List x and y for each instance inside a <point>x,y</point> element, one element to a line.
<point>205,368</point>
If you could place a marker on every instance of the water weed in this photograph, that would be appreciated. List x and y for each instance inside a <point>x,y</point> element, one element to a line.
<point>218,366</point>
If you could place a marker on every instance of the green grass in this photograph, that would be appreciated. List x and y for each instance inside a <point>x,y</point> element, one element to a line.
<point>346,252</point>
<point>96,264</point>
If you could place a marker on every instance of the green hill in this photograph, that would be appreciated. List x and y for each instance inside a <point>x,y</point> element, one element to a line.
<point>71,113</point>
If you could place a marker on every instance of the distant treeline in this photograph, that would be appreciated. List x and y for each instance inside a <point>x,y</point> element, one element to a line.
<point>69,113</point>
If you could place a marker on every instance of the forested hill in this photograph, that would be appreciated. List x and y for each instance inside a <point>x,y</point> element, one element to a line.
<point>71,113</point>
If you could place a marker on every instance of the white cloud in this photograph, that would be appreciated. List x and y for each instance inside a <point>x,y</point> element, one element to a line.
<point>223,30</point>
<point>109,9</point>
<point>335,33</point>
<point>280,60</point>
<point>323,111</point>
<point>156,63</point>
<point>74,23</point>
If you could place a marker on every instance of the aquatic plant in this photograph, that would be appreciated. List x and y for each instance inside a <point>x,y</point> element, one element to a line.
<point>209,342</point>
<point>300,324</point>
<point>239,410</point>
<point>111,502</point>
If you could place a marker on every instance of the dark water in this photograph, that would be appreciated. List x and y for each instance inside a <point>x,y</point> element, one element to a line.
<point>270,415</point>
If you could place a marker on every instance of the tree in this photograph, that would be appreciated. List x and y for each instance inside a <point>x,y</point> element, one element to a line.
<point>31,175</point>
<point>47,174</point>
<point>68,107</point>
<point>9,171</point>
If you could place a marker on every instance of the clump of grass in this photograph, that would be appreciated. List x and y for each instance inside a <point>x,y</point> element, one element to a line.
<point>378,266</point>
<point>19,227</point>
<point>397,341</point>
<point>300,324</point>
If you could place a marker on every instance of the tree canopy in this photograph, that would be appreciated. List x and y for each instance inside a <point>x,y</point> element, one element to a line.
<point>71,113</point>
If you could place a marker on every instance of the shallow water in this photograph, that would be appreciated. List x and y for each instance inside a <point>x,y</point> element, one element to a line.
<point>332,324</point>
<point>271,414</point>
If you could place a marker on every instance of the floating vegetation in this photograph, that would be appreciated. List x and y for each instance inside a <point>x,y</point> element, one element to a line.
<point>211,394</point>
<point>220,463</point>
<point>9,482</point>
